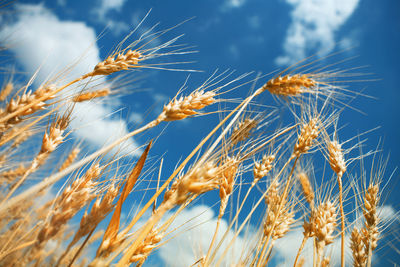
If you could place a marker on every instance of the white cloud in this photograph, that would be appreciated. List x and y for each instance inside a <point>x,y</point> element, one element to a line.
<point>254,21</point>
<point>102,12</point>
<point>232,4</point>
<point>109,5</point>
<point>313,27</point>
<point>136,118</point>
<point>39,39</point>
<point>193,243</point>
<point>234,51</point>
<point>62,3</point>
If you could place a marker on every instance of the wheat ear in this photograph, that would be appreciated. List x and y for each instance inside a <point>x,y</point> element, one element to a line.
<point>261,169</point>
<point>242,130</point>
<point>306,187</point>
<point>278,221</point>
<point>70,159</point>
<point>6,90</point>
<point>370,230</point>
<point>50,141</point>
<point>118,62</point>
<point>227,181</point>
<point>289,85</point>
<point>91,95</point>
<point>323,223</point>
<point>358,248</point>
<point>73,198</point>
<point>338,165</point>
<point>180,108</point>
<point>35,101</point>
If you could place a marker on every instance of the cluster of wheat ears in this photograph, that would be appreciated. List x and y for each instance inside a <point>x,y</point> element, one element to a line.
<point>244,152</point>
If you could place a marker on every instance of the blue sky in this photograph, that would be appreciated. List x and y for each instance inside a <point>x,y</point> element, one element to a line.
<point>241,35</point>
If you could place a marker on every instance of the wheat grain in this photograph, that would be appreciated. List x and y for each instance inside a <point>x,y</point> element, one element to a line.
<point>242,131</point>
<point>6,90</point>
<point>10,175</point>
<point>73,198</point>
<point>338,165</point>
<point>290,85</point>
<point>308,191</point>
<point>118,62</point>
<point>91,95</point>
<point>70,159</point>
<point>100,209</point>
<point>336,158</point>
<point>279,216</point>
<point>150,242</point>
<point>183,107</point>
<point>370,231</point>
<point>261,169</point>
<point>308,133</point>
<point>357,248</point>
<point>45,92</point>
<point>227,181</point>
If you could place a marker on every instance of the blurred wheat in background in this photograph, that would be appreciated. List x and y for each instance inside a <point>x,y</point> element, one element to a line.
<point>82,187</point>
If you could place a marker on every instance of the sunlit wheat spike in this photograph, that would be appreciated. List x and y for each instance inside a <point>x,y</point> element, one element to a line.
<point>301,262</point>
<point>279,215</point>
<point>289,85</point>
<point>261,169</point>
<point>326,262</point>
<point>6,90</point>
<point>184,107</point>
<point>243,130</point>
<point>51,139</point>
<point>371,200</point>
<point>197,181</point>
<point>122,61</point>
<point>150,242</point>
<point>100,209</point>
<point>336,158</point>
<point>91,95</point>
<point>10,175</point>
<point>308,133</point>
<point>70,159</point>
<point>72,199</point>
<point>228,174</point>
<point>370,231</point>
<point>357,248</point>
<point>21,137</point>
<point>324,223</point>
<point>45,92</point>
<point>308,191</point>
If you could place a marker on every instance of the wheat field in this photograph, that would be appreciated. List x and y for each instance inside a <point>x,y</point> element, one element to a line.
<point>274,160</point>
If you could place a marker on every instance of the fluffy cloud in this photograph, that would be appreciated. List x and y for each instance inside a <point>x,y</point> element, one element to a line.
<point>232,4</point>
<point>313,27</point>
<point>41,41</point>
<point>109,5</point>
<point>199,222</point>
<point>102,15</point>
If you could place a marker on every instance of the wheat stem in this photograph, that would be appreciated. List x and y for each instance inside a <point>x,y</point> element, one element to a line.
<point>303,243</point>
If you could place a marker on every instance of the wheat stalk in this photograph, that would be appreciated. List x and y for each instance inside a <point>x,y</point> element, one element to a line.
<point>6,90</point>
